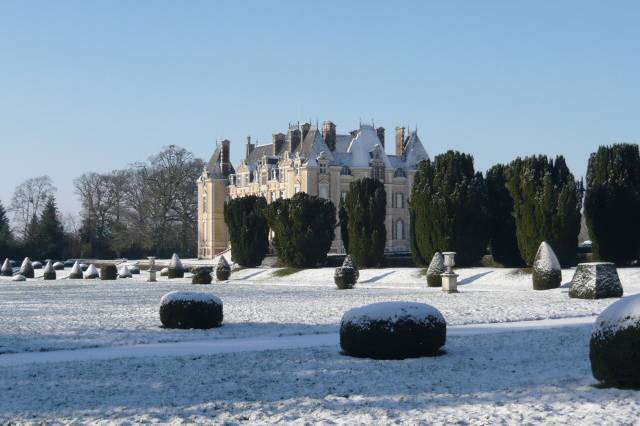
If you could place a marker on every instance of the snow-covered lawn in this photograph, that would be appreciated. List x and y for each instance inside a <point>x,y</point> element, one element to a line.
<point>514,377</point>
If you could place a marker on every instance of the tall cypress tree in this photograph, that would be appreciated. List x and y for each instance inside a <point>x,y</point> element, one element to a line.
<point>503,240</point>
<point>50,239</point>
<point>343,217</point>
<point>612,202</point>
<point>6,237</point>
<point>248,229</point>
<point>366,205</point>
<point>449,209</point>
<point>547,201</point>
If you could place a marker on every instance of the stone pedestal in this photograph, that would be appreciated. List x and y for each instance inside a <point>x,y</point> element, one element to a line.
<point>152,271</point>
<point>450,282</point>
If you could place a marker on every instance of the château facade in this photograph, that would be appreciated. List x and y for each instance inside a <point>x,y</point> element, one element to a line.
<point>316,161</point>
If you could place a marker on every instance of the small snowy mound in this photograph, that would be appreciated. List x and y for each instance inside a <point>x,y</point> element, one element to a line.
<point>91,273</point>
<point>26,269</point>
<point>393,330</point>
<point>134,269</point>
<point>84,266</point>
<point>164,272</point>
<point>176,269</point>
<point>547,273</point>
<point>615,344</point>
<point>36,265</point>
<point>597,280</point>
<point>124,272</point>
<point>18,278</point>
<point>76,272</point>
<point>108,272</point>
<point>223,270</point>
<point>7,269</point>
<point>189,309</point>
<point>49,272</point>
<point>68,263</point>
<point>202,275</point>
<point>435,270</point>
<point>346,275</point>
<point>58,266</point>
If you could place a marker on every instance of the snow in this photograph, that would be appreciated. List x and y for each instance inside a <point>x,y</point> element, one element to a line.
<point>392,312</point>
<point>58,265</point>
<point>91,272</point>
<point>49,268</point>
<point>189,296</point>
<point>18,278</point>
<point>623,314</point>
<point>546,259</point>
<point>124,272</point>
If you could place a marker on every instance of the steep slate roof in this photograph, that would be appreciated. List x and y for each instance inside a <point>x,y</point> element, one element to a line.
<point>414,151</point>
<point>363,145</point>
<point>213,166</point>
<point>258,152</point>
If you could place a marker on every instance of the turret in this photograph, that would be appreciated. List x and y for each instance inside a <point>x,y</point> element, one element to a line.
<point>225,158</point>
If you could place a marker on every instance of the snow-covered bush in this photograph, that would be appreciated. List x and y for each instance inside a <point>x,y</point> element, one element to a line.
<point>91,272</point>
<point>615,344</point>
<point>346,275</point>
<point>68,263</point>
<point>186,309</point>
<point>435,270</point>
<point>26,269</point>
<point>202,275</point>
<point>76,272</point>
<point>58,266</point>
<point>7,269</point>
<point>547,273</point>
<point>18,277</point>
<point>108,272</point>
<point>176,269</point>
<point>597,280</point>
<point>36,265</point>
<point>393,330</point>
<point>164,272</point>
<point>134,269</point>
<point>124,272</point>
<point>223,270</point>
<point>49,272</point>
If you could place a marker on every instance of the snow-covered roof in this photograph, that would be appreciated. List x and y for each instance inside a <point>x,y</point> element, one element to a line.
<point>414,151</point>
<point>363,145</point>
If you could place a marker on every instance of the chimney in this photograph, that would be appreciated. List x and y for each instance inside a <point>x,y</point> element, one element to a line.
<point>380,132</point>
<point>329,133</point>
<point>294,139</point>
<point>305,130</point>
<point>250,146</point>
<point>225,163</point>
<point>399,141</point>
<point>278,143</point>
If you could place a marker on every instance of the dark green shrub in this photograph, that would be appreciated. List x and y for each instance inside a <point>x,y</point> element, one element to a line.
<point>503,241</point>
<point>190,310</point>
<point>546,204</point>
<point>346,275</point>
<point>76,272</point>
<point>108,272</point>
<point>303,227</point>
<point>449,209</point>
<point>366,205</point>
<point>546,273</point>
<point>435,270</point>
<point>26,270</point>
<point>58,266</point>
<point>223,270</point>
<point>248,230</point>
<point>49,272</point>
<point>176,269</point>
<point>393,330</point>
<point>202,275</point>
<point>612,203</point>
<point>343,217</point>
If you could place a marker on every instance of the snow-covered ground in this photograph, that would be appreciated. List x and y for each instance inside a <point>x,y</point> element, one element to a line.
<point>485,377</point>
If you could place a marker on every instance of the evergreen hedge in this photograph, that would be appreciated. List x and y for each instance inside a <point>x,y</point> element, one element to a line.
<point>449,209</point>
<point>546,204</point>
<point>366,205</point>
<point>612,203</point>
<point>248,229</point>
<point>303,227</point>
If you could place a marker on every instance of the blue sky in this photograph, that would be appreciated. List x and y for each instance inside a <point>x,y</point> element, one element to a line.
<point>94,86</point>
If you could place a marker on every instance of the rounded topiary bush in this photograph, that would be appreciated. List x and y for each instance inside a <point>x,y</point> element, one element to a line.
<point>36,265</point>
<point>176,269</point>
<point>435,270</point>
<point>547,273</point>
<point>186,309</point>
<point>76,272</point>
<point>615,344</point>
<point>49,272</point>
<point>26,270</point>
<point>68,263</point>
<point>393,330</point>
<point>58,266</point>
<point>91,273</point>
<point>108,272</point>
<point>18,278</point>
<point>134,269</point>
<point>7,269</point>
<point>346,275</point>
<point>202,275</point>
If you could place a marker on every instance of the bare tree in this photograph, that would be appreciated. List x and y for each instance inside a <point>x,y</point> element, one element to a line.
<point>28,201</point>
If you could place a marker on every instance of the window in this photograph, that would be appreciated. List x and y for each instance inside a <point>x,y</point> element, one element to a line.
<point>399,230</point>
<point>343,195</point>
<point>297,170</point>
<point>204,202</point>
<point>324,191</point>
<point>323,168</point>
<point>377,172</point>
<point>399,200</point>
<point>282,175</point>
<point>205,231</point>
<point>345,171</point>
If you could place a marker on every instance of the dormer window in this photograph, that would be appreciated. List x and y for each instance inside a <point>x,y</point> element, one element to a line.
<point>323,168</point>
<point>345,171</point>
<point>377,172</point>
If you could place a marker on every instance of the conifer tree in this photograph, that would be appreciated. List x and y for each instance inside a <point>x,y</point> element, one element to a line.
<point>502,225</point>
<point>303,227</point>
<point>612,202</point>
<point>366,205</point>
<point>50,238</point>
<point>449,209</point>
<point>343,217</point>
<point>248,229</point>
<point>6,237</point>
<point>547,201</point>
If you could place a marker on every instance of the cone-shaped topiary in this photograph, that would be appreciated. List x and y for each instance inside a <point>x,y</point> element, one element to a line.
<point>248,229</point>
<point>124,272</point>
<point>26,269</point>
<point>49,272</point>
<point>547,273</point>
<point>190,310</point>
<point>108,272</point>
<point>164,272</point>
<point>36,265</point>
<point>346,275</point>
<point>223,270</point>
<point>176,269</point>
<point>58,266</point>
<point>18,278</point>
<point>597,280</point>
<point>76,272</point>
<point>615,344</point>
<point>393,330</point>
<point>202,275</point>
<point>366,204</point>
<point>7,269</point>
<point>91,272</point>
<point>435,270</point>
